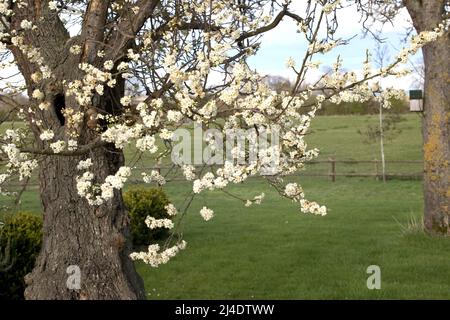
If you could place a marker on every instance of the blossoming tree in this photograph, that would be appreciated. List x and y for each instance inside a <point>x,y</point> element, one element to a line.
<point>82,62</point>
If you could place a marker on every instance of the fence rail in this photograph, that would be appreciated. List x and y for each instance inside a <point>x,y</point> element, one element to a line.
<point>334,166</point>
<point>333,170</point>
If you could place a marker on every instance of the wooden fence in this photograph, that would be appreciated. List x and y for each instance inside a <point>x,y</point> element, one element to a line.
<point>377,172</point>
<point>335,169</point>
<point>330,168</point>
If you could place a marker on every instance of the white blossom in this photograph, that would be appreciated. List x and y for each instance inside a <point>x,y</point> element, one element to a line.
<point>37,94</point>
<point>84,164</point>
<point>147,143</point>
<point>312,207</point>
<point>189,172</point>
<point>44,105</point>
<point>290,62</point>
<point>75,49</point>
<point>47,135</point>
<point>125,101</point>
<point>206,213</point>
<point>174,116</point>
<point>171,210</point>
<point>108,65</point>
<point>154,257</point>
<point>72,145</point>
<point>58,146</point>
<point>122,66</point>
<point>25,24</point>
<point>154,176</point>
<point>153,223</point>
<point>293,190</point>
<point>53,5</point>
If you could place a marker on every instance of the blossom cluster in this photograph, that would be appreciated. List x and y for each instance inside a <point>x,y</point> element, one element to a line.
<point>154,257</point>
<point>178,60</point>
<point>256,200</point>
<point>171,210</point>
<point>295,192</point>
<point>93,82</point>
<point>18,161</point>
<point>99,194</point>
<point>207,213</point>
<point>154,176</point>
<point>154,223</point>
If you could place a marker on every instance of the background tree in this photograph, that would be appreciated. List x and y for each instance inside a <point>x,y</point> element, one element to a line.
<point>381,58</point>
<point>436,121</point>
<point>81,63</point>
<point>436,115</point>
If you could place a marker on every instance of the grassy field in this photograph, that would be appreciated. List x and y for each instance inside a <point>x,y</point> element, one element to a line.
<point>337,136</point>
<point>272,251</point>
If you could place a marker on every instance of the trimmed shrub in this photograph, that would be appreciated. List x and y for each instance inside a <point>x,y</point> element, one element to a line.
<point>20,243</point>
<point>143,202</point>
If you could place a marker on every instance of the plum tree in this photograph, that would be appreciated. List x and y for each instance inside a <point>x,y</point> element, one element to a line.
<point>83,63</point>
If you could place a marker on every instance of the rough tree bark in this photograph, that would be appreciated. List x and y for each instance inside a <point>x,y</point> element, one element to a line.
<point>95,239</point>
<point>436,116</point>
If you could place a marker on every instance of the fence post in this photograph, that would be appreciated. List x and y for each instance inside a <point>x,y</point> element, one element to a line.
<point>376,169</point>
<point>333,169</point>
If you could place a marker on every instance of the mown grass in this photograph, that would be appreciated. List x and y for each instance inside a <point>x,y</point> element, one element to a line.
<point>272,251</point>
<point>337,136</point>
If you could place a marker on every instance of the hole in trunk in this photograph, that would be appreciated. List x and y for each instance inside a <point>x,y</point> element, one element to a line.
<point>59,102</point>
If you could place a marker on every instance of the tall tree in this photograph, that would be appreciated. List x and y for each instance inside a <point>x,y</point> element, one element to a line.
<point>436,116</point>
<point>81,63</point>
<point>425,16</point>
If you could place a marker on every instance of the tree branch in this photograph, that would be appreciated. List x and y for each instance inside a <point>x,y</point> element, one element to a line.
<point>94,27</point>
<point>97,143</point>
<point>266,28</point>
<point>128,28</point>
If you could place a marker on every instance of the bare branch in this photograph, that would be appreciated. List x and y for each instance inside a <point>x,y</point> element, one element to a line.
<point>94,27</point>
<point>128,28</point>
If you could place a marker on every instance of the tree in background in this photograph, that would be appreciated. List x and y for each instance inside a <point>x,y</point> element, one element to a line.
<point>436,114</point>
<point>82,62</point>
<point>381,58</point>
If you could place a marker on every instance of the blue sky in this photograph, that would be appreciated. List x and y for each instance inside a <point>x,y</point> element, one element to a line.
<point>272,56</point>
<point>284,41</point>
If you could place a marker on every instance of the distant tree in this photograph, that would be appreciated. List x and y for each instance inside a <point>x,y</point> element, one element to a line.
<point>278,83</point>
<point>381,59</point>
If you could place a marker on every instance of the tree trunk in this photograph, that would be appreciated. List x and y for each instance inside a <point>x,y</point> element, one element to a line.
<point>93,239</point>
<point>78,237</point>
<point>436,117</point>
<point>383,162</point>
<point>85,251</point>
<point>436,137</point>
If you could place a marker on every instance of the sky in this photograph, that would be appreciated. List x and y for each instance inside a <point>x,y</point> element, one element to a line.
<point>284,42</point>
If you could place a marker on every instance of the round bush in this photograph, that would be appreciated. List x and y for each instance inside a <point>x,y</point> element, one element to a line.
<point>20,242</point>
<point>143,202</point>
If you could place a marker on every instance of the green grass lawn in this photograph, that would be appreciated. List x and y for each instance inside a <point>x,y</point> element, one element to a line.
<point>337,136</point>
<point>272,251</point>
